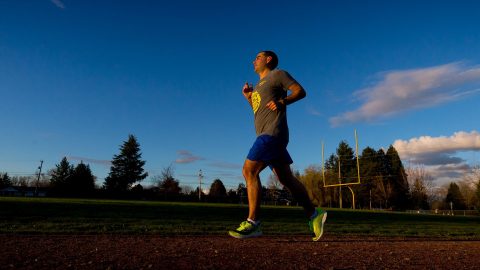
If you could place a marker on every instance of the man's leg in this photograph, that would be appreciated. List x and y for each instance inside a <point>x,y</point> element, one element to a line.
<point>286,177</point>
<point>251,172</point>
<point>317,217</point>
<point>251,227</point>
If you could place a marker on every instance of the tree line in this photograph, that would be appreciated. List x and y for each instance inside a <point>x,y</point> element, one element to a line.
<point>384,183</point>
<point>122,182</point>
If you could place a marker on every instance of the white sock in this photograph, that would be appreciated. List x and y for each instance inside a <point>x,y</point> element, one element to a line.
<point>253,221</point>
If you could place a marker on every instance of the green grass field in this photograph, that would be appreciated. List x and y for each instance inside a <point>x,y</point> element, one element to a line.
<point>82,216</point>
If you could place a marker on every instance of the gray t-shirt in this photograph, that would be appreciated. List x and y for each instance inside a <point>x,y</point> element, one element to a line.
<point>273,87</point>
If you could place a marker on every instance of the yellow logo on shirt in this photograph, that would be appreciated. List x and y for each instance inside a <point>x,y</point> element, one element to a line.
<point>256,101</point>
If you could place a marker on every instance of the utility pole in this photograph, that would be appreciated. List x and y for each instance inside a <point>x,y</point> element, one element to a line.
<point>38,177</point>
<point>200,177</point>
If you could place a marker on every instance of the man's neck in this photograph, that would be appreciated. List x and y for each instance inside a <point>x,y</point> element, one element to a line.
<point>264,73</point>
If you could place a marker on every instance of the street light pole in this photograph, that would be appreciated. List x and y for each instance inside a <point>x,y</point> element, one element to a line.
<point>200,177</point>
<point>38,177</point>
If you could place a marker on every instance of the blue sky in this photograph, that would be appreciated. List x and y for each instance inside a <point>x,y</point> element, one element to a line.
<point>77,77</point>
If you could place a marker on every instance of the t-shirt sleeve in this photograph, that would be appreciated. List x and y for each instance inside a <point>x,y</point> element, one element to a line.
<point>285,79</point>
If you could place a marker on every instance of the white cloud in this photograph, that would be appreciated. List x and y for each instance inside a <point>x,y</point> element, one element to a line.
<point>187,157</point>
<point>459,141</point>
<point>440,154</point>
<point>58,3</point>
<point>405,90</point>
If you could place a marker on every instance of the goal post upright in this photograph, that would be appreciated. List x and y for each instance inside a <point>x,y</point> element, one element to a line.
<point>356,151</point>
<point>323,164</point>
<point>358,167</point>
<point>343,184</point>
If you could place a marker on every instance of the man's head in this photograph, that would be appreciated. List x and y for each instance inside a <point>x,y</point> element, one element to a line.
<point>272,59</point>
<point>265,59</point>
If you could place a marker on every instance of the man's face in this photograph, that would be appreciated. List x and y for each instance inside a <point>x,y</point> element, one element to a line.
<point>260,62</point>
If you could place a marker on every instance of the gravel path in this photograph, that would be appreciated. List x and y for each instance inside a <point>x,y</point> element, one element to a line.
<point>223,252</point>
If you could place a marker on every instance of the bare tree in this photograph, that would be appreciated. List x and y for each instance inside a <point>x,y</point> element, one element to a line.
<point>169,186</point>
<point>273,182</point>
<point>468,186</point>
<point>274,188</point>
<point>418,176</point>
<point>383,189</point>
<point>311,180</point>
<point>31,181</point>
<point>186,189</point>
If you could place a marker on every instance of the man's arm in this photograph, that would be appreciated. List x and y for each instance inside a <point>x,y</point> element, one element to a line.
<point>247,93</point>
<point>297,93</point>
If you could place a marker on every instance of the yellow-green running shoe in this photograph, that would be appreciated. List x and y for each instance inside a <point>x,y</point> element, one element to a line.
<point>316,224</point>
<point>246,230</point>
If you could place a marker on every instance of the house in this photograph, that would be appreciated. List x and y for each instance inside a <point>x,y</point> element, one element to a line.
<point>10,191</point>
<point>23,191</point>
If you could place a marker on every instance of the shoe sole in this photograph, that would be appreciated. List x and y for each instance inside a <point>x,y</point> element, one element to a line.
<point>324,218</point>
<point>241,236</point>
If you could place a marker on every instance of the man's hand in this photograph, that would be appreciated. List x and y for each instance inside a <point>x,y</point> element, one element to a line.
<point>247,91</point>
<point>276,105</point>
<point>297,93</point>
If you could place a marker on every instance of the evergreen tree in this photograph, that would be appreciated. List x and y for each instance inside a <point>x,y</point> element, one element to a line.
<point>218,192</point>
<point>61,176</point>
<point>127,167</point>
<point>331,177</point>
<point>454,196</point>
<point>348,170</point>
<point>383,179</point>
<point>82,181</point>
<point>348,163</point>
<point>369,174</point>
<point>383,186</point>
<point>331,163</point>
<point>399,198</point>
<point>5,180</point>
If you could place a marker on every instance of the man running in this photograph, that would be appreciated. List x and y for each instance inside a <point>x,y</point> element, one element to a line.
<point>269,100</point>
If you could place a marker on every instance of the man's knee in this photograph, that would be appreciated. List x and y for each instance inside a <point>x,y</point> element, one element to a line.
<point>251,170</point>
<point>249,173</point>
<point>246,171</point>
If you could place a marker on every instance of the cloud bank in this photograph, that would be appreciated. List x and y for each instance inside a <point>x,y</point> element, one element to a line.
<point>58,3</point>
<point>406,90</point>
<point>186,157</point>
<point>440,154</point>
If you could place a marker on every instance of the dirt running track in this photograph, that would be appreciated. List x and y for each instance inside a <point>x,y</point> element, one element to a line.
<point>222,252</point>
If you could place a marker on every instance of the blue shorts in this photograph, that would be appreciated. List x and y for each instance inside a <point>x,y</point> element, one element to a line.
<point>270,150</point>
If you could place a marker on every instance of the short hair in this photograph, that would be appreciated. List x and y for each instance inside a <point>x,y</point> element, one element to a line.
<point>274,62</point>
